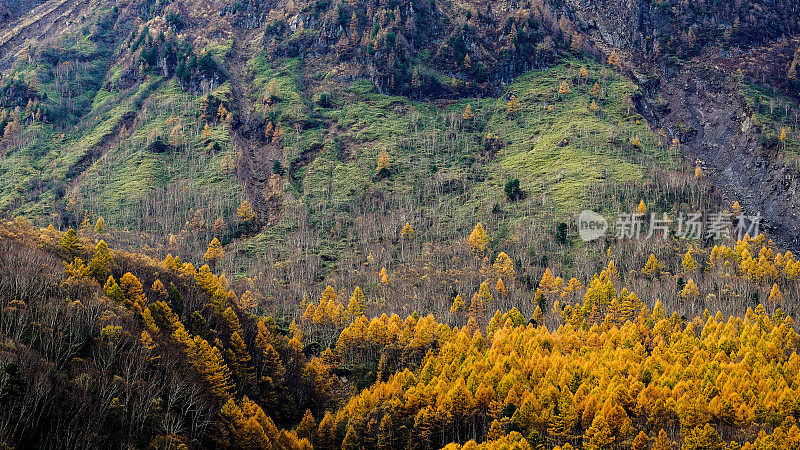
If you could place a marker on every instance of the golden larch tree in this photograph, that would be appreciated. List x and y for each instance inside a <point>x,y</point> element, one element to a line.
<point>564,88</point>
<point>214,252</point>
<point>652,268</point>
<point>100,264</point>
<point>384,161</point>
<point>689,264</point>
<point>504,266</point>
<point>458,305</point>
<point>690,291</point>
<point>478,240</point>
<point>407,231</point>
<point>100,226</point>
<point>478,305</point>
<point>500,288</point>
<point>595,91</point>
<point>355,308</point>
<point>513,106</point>
<point>641,442</point>
<point>583,73</point>
<point>222,112</point>
<point>614,60</point>
<point>245,212</point>
<point>775,295</point>
<point>133,290</point>
<point>467,114</point>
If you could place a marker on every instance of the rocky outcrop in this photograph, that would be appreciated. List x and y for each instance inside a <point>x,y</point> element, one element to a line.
<point>673,27</point>
<point>700,104</point>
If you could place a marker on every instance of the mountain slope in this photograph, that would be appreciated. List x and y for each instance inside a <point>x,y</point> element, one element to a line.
<point>164,117</point>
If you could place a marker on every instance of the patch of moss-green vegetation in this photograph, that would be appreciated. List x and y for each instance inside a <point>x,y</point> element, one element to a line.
<point>359,155</point>
<point>777,115</point>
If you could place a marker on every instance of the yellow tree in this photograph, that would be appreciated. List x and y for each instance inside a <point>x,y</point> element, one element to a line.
<point>571,289</point>
<point>277,134</point>
<point>384,162</point>
<point>245,212</point>
<point>703,437</point>
<point>407,231</point>
<point>77,269</point>
<point>240,361</point>
<point>113,291</point>
<point>548,289</point>
<point>222,112</point>
<point>614,60</point>
<point>782,137</point>
<point>599,436</point>
<point>478,240</point>
<point>688,264</point>
<point>775,295</point>
<point>273,93</point>
<point>690,291</point>
<point>467,114</point>
<point>513,106</point>
<point>629,305</point>
<point>458,305</point>
<point>576,44</point>
<point>504,266</point>
<point>675,146</point>
<point>641,442</point>
<point>595,91</point>
<point>652,268</point>
<point>564,88</point>
<point>133,290</point>
<point>563,424</point>
<point>495,431</point>
<point>384,276</point>
<point>355,308</point>
<point>698,172</point>
<point>100,264</point>
<point>72,244</point>
<point>214,252</point>
<point>482,298</point>
<point>269,129</point>
<point>326,433</point>
<point>159,290</point>
<point>100,226</point>
<point>204,112</point>
<point>500,288</point>
<point>307,427</point>
<point>583,74</point>
<point>642,208</point>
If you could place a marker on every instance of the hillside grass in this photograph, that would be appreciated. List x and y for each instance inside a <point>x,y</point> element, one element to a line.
<point>441,173</point>
<point>773,112</point>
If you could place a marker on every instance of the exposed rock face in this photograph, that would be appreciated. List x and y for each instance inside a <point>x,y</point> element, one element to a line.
<point>704,110</point>
<point>675,27</point>
<point>698,100</point>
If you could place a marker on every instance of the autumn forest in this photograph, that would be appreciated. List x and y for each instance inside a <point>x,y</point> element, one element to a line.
<point>358,224</point>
